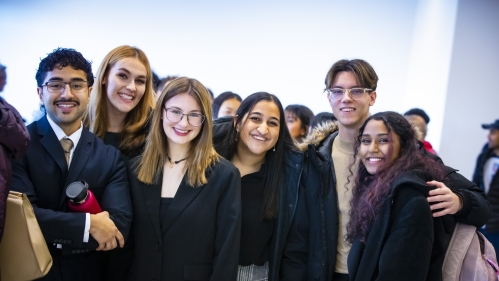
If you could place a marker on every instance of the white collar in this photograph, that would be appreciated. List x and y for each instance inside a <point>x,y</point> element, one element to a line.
<point>75,137</point>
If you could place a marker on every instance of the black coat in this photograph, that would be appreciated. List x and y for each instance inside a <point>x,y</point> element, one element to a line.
<point>43,175</point>
<point>203,228</point>
<point>405,242</point>
<point>288,196</point>
<point>310,252</point>
<point>493,194</point>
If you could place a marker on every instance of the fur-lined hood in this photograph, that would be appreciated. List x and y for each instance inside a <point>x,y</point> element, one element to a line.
<point>318,135</point>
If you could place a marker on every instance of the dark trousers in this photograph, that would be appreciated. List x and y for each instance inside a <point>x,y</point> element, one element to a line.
<point>493,239</point>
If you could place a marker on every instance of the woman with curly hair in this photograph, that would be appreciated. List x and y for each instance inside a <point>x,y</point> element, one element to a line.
<point>395,233</point>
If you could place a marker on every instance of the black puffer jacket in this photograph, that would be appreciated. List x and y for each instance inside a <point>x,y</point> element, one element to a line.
<point>493,194</point>
<point>14,140</point>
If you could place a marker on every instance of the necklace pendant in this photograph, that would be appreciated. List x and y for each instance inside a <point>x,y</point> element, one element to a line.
<point>171,165</point>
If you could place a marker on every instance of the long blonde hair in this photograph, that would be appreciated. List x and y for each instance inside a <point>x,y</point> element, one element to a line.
<point>202,154</point>
<point>96,119</point>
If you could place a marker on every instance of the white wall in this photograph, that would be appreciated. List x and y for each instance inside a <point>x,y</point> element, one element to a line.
<point>473,94</point>
<point>283,47</point>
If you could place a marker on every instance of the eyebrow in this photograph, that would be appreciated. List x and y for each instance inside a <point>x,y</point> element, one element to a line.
<point>178,108</point>
<point>60,79</point>
<point>128,71</point>
<point>259,114</point>
<point>378,135</point>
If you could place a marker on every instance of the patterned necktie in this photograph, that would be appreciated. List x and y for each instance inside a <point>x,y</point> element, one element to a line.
<point>66,144</point>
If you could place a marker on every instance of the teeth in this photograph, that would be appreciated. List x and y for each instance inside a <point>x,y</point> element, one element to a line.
<point>374,159</point>
<point>259,138</point>
<point>347,109</point>
<point>65,105</point>
<point>126,96</point>
<point>181,131</point>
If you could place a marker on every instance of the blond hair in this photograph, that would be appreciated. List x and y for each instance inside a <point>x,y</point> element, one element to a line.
<point>201,154</point>
<point>96,119</point>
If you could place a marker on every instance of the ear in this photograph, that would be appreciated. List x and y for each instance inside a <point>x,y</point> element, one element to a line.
<point>372,96</point>
<point>89,91</point>
<point>104,81</point>
<point>40,94</point>
<point>235,125</point>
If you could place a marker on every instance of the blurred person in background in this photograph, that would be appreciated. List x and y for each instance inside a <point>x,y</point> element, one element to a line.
<point>486,176</point>
<point>322,118</point>
<point>298,120</point>
<point>419,119</point>
<point>161,84</point>
<point>226,104</point>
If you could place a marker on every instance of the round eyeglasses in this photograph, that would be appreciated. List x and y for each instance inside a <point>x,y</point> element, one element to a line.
<point>57,87</point>
<point>174,115</point>
<point>354,93</point>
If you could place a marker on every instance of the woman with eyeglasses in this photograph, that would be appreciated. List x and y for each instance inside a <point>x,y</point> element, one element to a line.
<point>121,100</point>
<point>186,198</point>
<point>258,143</point>
<point>118,112</point>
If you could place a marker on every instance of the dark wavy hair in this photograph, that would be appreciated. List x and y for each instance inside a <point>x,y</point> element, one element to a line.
<point>62,57</point>
<point>370,191</point>
<point>219,100</point>
<point>226,146</point>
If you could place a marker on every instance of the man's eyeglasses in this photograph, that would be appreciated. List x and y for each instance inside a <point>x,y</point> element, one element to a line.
<point>355,93</point>
<point>175,116</point>
<point>57,87</point>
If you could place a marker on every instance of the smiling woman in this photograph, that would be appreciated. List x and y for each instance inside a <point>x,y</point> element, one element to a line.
<point>122,99</point>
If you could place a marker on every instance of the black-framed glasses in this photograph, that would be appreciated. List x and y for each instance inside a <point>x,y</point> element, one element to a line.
<point>175,116</point>
<point>355,93</point>
<point>57,87</point>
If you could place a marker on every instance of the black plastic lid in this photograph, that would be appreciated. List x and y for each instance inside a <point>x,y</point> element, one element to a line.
<point>77,191</point>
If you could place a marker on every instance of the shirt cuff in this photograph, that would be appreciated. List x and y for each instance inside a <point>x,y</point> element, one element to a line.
<point>87,228</point>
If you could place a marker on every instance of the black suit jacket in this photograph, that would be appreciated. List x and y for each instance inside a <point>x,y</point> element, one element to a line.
<point>43,176</point>
<point>202,233</point>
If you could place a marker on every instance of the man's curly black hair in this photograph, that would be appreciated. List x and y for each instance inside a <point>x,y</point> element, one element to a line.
<point>62,57</point>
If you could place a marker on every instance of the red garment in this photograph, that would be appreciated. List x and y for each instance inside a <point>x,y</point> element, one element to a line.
<point>429,148</point>
<point>14,140</point>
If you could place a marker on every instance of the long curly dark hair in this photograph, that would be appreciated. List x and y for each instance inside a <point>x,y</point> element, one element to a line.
<point>370,191</point>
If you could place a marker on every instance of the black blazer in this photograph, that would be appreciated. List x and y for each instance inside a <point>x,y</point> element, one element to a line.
<point>203,227</point>
<point>43,175</point>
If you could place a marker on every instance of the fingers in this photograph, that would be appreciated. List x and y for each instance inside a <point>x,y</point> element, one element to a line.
<point>436,184</point>
<point>120,238</point>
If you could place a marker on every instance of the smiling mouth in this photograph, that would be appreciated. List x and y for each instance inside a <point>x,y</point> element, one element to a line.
<point>181,131</point>
<point>260,138</point>
<point>125,96</point>
<point>374,159</point>
<point>66,104</point>
<point>347,109</point>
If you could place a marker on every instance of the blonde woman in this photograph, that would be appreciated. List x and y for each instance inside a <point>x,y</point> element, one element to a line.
<point>186,198</point>
<point>121,100</point>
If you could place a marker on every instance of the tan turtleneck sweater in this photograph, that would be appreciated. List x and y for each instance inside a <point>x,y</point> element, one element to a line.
<point>342,157</point>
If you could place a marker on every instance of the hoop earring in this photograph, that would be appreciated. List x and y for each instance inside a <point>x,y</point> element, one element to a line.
<point>237,132</point>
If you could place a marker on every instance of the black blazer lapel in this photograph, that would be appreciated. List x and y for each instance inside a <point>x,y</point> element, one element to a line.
<point>49,141</point>
<point>184,196</point>
<point>78,160</point>
<point>152,199</point>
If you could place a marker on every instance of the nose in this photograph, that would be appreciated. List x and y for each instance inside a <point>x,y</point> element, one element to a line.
<point>373,147</point>
<point>131,86</point>
<point>346,97</point>
<point>66,92</point>
<point>183,121</point>
<point>263,129</point>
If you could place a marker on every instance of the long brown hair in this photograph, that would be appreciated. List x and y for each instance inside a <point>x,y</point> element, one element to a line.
<point>202,154</point>
<point>132,135</point>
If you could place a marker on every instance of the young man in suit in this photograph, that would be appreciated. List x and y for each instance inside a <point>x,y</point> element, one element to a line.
<point>62,151</point>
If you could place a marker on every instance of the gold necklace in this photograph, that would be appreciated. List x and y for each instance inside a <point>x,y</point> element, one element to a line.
<point>175,162</point>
